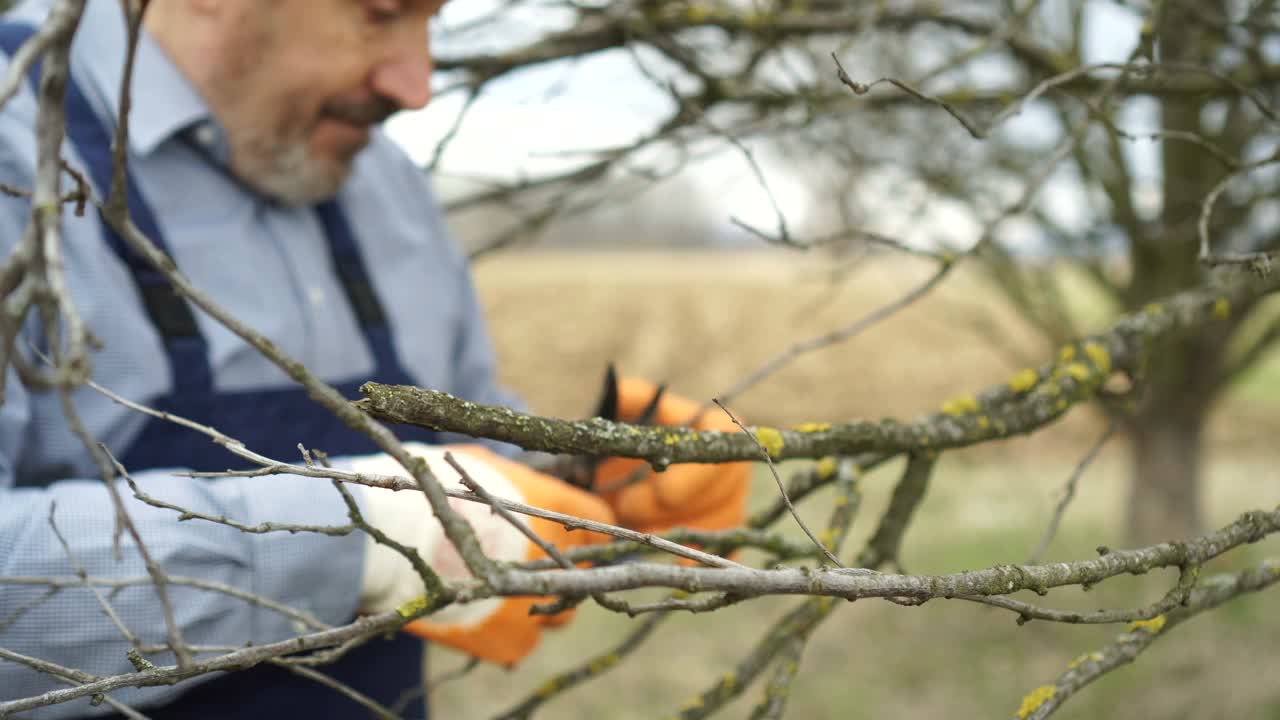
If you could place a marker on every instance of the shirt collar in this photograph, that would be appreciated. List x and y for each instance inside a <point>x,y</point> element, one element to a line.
<point>164,103</point>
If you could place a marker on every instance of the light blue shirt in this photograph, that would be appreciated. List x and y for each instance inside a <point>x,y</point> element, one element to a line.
<point>267,265</point>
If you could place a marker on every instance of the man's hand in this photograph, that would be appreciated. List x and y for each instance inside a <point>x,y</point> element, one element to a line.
<point>500,630</point>
<point>694,496</point>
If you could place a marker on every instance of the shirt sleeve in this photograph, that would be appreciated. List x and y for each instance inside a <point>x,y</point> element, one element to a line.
<point>317,574</point>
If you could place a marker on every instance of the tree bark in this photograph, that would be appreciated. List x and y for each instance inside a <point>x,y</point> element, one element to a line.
<point>1183,381</point>
<point>1182,378</point>
<point>1164,491</point>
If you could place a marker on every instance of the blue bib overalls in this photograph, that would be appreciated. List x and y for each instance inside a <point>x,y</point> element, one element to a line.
<point>272,421</point>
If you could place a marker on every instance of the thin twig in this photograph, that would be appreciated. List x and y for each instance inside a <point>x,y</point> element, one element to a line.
<point>588,670</point>
<point>778,689</point>
<point>438,592</point>
<point>551,550</point>
<point>1261,260</point>
<point>1069,491</point>
<point>260,528</point>
<point>72,677</point>
<point>456,529</point>
<point>1176,596</point>
<point>83,574</point>
<point>781,487</point>
<point>886,543</point>
<point>269,466</point>
<point>157,573</point>
<point>795,625</point>
<point>433,685</point>
<point>56,584</point>
<point>368,703</point>
<point>832,337</point>
<point>27,607</point>
<point>60,24</point>
<point>1211,593</point>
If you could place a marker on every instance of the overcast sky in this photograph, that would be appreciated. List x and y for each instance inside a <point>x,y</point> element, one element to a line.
<point>604,101</point>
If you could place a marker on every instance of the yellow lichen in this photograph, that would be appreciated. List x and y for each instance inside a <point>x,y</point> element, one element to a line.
<point>728,680</point>
<point>414,606</point>
<point>548,688</point>
<point>604,662</point>
<point>1099,356</point>
<point>812,427</point>
<point>771,439</point>
<point>962,405</point>
<point>670,439</point>
<point>1094,656</point>
<point>698,12</point>
<point>1035,699</point>
<point>1078,371</point>
<point>693,704</point>
<point>826,468</point>
<point>1221,309</point>
<point>1060,405</point>
<point>1152,626</point>
<point>1023,380</point>
<point>984,422</point>
<point>1067,353</point>
<point>1153,309</point>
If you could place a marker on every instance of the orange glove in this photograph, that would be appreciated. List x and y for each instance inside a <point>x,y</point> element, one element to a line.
<point>692,495</point>
<point>499,630</point>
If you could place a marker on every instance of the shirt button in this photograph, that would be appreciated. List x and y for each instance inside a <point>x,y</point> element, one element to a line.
<point>205,134</point>
<point>316,296</point>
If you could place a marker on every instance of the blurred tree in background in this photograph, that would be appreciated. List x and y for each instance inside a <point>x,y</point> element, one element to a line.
<point>1113,138</point>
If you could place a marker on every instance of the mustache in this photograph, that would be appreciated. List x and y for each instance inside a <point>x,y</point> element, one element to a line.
<point>363,112</point>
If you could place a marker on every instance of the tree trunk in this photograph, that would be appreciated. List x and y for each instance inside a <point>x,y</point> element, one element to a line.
<point>1183,381</point>
<point>1164,491</point>
<point>1182,377</point>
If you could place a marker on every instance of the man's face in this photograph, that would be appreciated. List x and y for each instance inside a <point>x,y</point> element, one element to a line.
<point>299,83</point>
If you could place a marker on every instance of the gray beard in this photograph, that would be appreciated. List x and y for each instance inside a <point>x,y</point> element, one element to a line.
<point>286,172</point>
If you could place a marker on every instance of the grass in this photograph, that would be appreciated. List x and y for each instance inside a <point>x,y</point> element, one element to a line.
<point>703,321</point>
<point>945,659</point>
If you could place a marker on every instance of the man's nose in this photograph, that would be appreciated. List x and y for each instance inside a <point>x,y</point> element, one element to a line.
<point>405,79</point>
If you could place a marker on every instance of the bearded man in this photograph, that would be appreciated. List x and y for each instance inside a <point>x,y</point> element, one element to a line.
<point>256,162</point>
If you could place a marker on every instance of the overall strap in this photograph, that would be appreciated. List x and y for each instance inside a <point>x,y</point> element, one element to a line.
<point>360,294</point>
<point>185,347</point>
